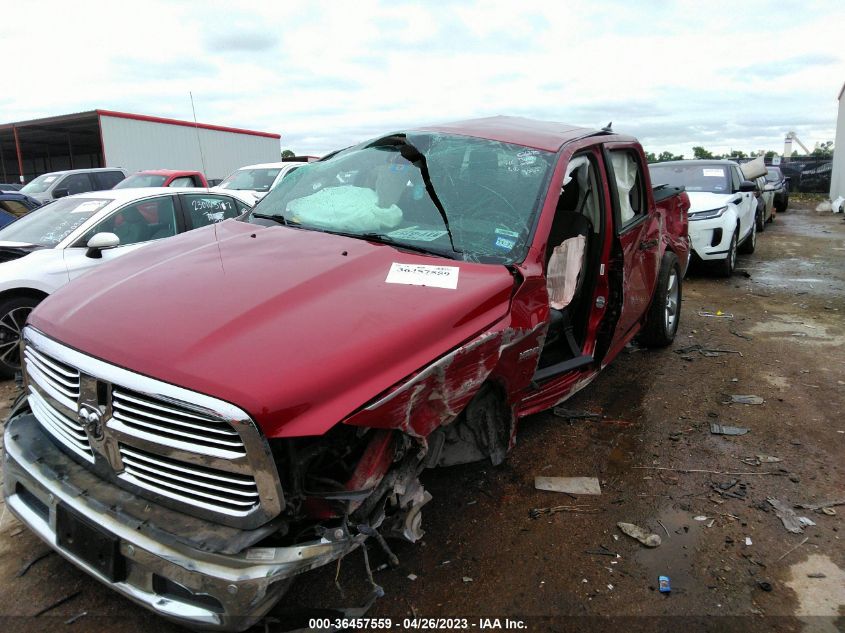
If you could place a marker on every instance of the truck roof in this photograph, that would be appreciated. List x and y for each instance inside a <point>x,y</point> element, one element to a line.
<point>545,135</point>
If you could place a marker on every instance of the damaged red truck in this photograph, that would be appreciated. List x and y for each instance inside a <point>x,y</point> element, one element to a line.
<point>208,417</point>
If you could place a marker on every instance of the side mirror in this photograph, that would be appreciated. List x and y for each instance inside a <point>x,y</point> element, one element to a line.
<point>60,193</point>
<point>99,242</point>
<point>746,185</point>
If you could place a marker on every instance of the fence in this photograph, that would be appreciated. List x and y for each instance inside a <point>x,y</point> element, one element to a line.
<point>808,174</point>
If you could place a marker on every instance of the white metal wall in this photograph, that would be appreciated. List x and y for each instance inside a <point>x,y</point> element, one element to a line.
<point>837,176</point>
<point>136,145</point>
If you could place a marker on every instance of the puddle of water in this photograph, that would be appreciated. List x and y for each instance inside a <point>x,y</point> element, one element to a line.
<point>674,557</point>
<point>817,335</point>
<point>819,599</point>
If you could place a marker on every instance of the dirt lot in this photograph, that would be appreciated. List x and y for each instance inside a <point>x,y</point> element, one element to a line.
<point>484,557</point>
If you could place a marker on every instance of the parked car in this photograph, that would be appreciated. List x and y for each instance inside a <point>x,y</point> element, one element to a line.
<point>17,204</point>
<point>779,185</point>
<point>258,179</point>
<point>58,184</point>
<point>163,178</point>
<point>52,245</point>
<point>723,208</point>
<point>6,218</point>
<point>8,186</point>
<point>265,401</point>
<point>765,203</point>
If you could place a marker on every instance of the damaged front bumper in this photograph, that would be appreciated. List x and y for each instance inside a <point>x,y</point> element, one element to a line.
<point>179,577</point>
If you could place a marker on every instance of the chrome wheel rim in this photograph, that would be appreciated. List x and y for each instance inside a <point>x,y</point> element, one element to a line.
<point>11,328</point>
<point>672,292</point>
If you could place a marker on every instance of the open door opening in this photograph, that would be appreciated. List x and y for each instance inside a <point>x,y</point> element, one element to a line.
<point>573,260</point>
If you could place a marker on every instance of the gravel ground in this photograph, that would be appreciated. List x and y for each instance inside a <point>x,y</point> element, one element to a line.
<point>483,556</point>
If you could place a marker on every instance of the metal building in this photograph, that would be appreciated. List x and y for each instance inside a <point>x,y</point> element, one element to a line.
<point>837,175</point>
<point>104,138</point>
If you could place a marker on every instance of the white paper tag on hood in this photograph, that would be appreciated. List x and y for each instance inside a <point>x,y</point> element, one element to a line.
<point>423,275</point>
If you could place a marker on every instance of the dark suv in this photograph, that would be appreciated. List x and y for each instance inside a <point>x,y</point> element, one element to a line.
<point>777,182</point>
<point>58,184</point>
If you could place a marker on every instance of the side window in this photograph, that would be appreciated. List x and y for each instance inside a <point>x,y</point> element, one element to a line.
<point>627,173</point>
<point>184,181</point>
<point>142,221</point>
<point>76,183</point>
<point>14,207</point>
<point>205,209</point>
<point>736,179</point>
<point>107,179</point>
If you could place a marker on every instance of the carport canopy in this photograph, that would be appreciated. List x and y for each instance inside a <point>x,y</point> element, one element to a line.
<point>38,146</point>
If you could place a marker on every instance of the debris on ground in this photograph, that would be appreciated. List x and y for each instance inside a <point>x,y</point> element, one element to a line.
<point>536,513</point>
<point>823,507</point>
<point>571,414</point>
<point>765,586</point>
<point>722,429</point>
<point>28,565</point>
<point>412,576</point>
<point>717,314</point>
<point>745,399</point>
<point>603,552</point>
<point>569,485</point>
<point>791,521</point>
<point>768,459</point>
<point>635,531</point>
<point>789,551</point>
<point>663,584</point>
<point>467,579</point>
<point>57,603</point>
<point>741,335</point>
<point>76,617</point>
<point>817,574</point>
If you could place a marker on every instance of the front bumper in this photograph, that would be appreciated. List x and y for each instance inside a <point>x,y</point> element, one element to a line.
<point>711,239</point>
<point>189,585</point>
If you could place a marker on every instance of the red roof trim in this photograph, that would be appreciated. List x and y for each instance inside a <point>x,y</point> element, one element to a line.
<point>204,126</point>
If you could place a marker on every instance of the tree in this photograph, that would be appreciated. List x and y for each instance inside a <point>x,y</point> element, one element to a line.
<point>769,155</point>
<point>286,153</point>
<point>699,152</point>
<point>650,157</point>
<point>737,154</point>
<point>823,150</point>
<point>667,156</point>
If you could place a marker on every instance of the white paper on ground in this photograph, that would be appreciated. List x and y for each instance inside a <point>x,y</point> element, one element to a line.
<point>571,485</point>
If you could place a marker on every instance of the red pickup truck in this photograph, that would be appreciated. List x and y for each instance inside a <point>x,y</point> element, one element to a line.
<point>211,416</point>
<point>163,178</point>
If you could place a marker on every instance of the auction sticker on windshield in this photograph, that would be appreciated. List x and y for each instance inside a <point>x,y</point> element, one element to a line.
<point>423,275</point>
<point>417,235</point>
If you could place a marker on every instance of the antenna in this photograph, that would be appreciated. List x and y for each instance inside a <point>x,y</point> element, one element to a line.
<point>199,144</point>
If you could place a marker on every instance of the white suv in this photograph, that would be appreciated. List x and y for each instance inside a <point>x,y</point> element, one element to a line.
<point>258,179</point>
<point>723,208</point>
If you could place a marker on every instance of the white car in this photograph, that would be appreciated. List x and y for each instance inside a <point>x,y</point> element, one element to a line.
<point>50,246</point>
<point>722,208</point>
<point>257,180</point>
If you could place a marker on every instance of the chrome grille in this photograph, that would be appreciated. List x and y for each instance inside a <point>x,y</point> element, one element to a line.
<point>207,487</point>
<point>55,377</point>
<point>67,430</point>
<point>173,423</point>
<point>181,448</point>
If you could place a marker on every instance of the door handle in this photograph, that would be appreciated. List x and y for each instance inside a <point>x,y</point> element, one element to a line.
<point>647,244</point>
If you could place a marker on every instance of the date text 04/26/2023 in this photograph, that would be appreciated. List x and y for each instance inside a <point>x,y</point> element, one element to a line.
<point>409,624</point>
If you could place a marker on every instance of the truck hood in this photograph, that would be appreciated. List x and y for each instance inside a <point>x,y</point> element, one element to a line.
<point>704,200</point>
<point>298,328</point>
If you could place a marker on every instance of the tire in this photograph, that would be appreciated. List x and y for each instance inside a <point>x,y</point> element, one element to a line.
<point>13,314</point>
<point>760,218</point>
<point>750,243</point>
<point>663,316</point>
<point>725,268</point>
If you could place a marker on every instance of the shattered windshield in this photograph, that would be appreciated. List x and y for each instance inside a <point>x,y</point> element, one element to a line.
<point>454,196</point>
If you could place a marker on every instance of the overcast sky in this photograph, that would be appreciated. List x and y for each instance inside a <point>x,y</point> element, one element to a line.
<point>324,75</point>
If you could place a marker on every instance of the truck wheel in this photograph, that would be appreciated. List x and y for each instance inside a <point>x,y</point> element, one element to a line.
<point>13,314</point>
<point>750,242</point>
<point>725,268</point>
<point>665,312</point>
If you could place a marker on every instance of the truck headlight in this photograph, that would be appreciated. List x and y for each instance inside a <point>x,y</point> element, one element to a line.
<point>709,214</point>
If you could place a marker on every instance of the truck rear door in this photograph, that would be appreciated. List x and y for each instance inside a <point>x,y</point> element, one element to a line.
<point>637,232</point>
